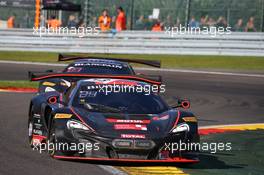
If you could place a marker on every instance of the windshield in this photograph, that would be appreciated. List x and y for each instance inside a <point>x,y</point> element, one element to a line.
<point>119,102</point>
<point>98,69</point>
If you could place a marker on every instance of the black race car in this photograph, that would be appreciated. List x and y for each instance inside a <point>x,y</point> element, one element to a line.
<point>86,123</point>
<point>90,65</point>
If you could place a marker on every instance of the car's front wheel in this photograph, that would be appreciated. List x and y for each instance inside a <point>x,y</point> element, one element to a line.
<point>30,127</point>
<point>52,141</point>
<point>55,145</point>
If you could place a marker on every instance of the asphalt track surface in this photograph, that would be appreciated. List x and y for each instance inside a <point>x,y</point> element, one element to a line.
<point>215,99</point>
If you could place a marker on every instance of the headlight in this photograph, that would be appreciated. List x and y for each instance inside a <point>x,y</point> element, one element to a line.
<point>181,128</point>
<point>72,124</point>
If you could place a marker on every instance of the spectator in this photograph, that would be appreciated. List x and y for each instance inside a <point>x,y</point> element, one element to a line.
<point>42,21</point>
<point>157,27</point>
<point>72,23</point>
<point>203,21</point>
<point>221,22</point>
<point>211,22</point>
<point>120,19</point>
<point>53,22</point>
<point>150,23</point>
<point>239,26</point>
<point>168,22</point>
<point>25,22</point>
<point>104,21</point>
<point>193,23</point>
<point>113,21</point>
<point>81,22</point>
<point>140,23</point>
<point>250,27</point>
<point>11,22</point>
<point>178,22</point>
<point>94,22</point>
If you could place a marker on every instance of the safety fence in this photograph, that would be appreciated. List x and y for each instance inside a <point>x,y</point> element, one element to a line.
<point>135,42</point>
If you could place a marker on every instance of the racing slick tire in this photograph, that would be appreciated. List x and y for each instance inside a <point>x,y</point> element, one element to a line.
<point>30,127</point>
<point>53,144</point>
<point>52,140</point>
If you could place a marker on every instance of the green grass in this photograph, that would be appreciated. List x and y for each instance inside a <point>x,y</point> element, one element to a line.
<point>18,84</point>
<point>168,61</point>
<point>245,157</point>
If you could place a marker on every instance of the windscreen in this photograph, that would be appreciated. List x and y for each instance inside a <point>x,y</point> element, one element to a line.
<point>118,102</point>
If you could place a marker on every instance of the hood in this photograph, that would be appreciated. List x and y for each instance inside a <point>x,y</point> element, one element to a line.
<point>115,125</point>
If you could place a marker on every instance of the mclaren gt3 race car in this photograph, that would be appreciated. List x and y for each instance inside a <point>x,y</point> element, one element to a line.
<point>90,65</point>
<point>85,123</point>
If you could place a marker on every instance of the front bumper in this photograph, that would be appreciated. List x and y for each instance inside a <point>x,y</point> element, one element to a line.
<point>113,160</point>
<point>140,150</point>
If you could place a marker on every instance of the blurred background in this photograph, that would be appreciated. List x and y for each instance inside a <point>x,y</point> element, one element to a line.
<point>241,15</point>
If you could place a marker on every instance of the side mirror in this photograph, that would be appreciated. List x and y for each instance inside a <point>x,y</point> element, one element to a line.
<point>182,103</point>
<point>185,104</point>
<point>54,100</point>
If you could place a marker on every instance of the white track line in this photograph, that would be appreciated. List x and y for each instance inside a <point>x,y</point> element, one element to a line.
<point>149,69</point>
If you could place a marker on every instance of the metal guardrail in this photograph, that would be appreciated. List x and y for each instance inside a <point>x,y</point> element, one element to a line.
<point>136,42</point>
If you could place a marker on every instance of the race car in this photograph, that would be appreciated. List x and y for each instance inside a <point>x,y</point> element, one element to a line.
<point>130,126</point>
<point>90,65</point>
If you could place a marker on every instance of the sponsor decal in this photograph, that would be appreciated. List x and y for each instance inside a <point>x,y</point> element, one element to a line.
<point>130,127</point>
<point>37,139</point>
<point>63,116</point>
<point>74,69</point>
<point>46,83</point>
<point>133,136</point>
<point>112,120</point>
<point>37,131</point>
<point>118,82</point>
<point>36,116</point>
<point>189,119</point>
<point>117,66</point>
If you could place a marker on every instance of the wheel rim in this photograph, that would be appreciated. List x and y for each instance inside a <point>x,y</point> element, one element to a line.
<point>30,129</point>
<point>52,141</point>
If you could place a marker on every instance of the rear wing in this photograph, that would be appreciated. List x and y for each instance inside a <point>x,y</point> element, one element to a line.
<point>40,76</point>
<point>152,63</point>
